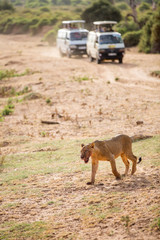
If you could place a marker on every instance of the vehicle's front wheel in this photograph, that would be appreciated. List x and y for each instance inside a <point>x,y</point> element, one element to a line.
<point>120,60</point>
<point>98,61</point>
<point>90,58</point>
<point>68,53</point>
<point>61,53</point>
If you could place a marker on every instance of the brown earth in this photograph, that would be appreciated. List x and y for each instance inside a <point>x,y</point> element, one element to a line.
<point>86,100</point>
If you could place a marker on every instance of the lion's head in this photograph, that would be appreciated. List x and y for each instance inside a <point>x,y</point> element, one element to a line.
<point>86,152</point>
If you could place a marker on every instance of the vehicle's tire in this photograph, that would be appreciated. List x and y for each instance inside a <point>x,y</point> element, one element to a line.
<point>98,61</point>
<point>90,58</point>
<point>120,60</point>
<point>61,53</point>
<point>68,53</point>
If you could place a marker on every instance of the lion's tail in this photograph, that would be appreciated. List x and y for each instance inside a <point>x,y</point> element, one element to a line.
<point>139,160</point>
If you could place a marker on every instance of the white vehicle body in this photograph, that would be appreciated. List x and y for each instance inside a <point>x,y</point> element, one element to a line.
<point>105,45</point>
<point>72,41</point>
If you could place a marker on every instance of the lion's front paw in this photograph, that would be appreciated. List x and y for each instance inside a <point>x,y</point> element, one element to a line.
<point>90,183</point>
<point>118,178</point>
<point>124,175</point>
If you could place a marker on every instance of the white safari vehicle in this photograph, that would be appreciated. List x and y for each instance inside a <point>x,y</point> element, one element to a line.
<point>103,43</point>
<point>72,38</point>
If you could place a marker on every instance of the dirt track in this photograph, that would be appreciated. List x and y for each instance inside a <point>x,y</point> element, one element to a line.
<point>112,99</point>
<point>86,100</point>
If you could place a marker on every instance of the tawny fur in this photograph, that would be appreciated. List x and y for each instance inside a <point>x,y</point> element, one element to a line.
<point>109,150</point>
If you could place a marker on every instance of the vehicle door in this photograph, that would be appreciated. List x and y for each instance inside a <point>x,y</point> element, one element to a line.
<point>94,45</point>
<point>63,43</point>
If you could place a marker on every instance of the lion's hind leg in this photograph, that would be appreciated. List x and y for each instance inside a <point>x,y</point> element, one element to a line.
<point>114,169</point>
<point>126,163</point>
<point>133,158</point>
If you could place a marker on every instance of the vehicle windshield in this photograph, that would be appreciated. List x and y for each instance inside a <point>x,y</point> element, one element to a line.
<point>78,35</point>
<point>107,39</point>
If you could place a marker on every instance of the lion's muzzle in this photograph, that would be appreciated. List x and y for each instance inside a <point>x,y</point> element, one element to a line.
<point>86,159</point>
<point>85,153</point>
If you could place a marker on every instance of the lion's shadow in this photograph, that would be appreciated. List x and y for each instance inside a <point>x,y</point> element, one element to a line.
<point>127,184</point>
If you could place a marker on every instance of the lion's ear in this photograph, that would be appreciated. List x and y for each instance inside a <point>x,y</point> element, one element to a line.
<point>92,145</point>
<point>82,145</point>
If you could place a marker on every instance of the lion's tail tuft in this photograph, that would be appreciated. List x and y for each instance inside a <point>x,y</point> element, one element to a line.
<point>139,160</point>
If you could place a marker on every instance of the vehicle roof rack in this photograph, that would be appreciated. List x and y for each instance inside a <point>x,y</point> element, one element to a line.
<point>76,24</point>
<point>104,26</point>
<point>104,22</point>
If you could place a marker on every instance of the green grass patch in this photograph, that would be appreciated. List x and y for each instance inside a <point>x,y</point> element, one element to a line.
<point>64,157</point>
<point>82,79</point>
<point>35,230</point>
<point>8,109</point>
<point>11,91</point>
<point>155,74</point>
<point>13,73</point>
<point>149,149</point>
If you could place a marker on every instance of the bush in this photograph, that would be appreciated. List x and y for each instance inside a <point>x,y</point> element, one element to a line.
<point>150,38</point>
<point>124,27</point>
<point>155,38</point>
<point>143,18</point>
<point>122,6</point>
<point>144,6</point>
<point>132,38</point>
<point>101,10</point>
<point>44,9</point>
<point>7,110</point>
<point>6,5</point>
<point>25,20</point>
<point>50,37</point>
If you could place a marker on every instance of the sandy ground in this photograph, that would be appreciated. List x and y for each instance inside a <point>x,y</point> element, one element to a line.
<point>86,100</point>
<point>113,99</point>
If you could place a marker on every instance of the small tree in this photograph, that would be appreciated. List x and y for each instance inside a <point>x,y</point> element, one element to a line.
<point>101,10</point>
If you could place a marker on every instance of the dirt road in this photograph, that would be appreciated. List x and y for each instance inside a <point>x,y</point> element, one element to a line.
<point>86,99</point>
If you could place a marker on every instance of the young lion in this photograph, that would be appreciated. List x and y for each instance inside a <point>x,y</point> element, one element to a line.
<point>108,150</point>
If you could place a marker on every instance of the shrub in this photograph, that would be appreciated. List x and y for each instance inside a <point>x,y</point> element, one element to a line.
<point>7,73</point>
<point>143,7</point>
<point>132,38</point>
<point>124,27</point>
<point>48,100</point>
<point>122,6</point>
<point>150,38</point>
<point>50,37</point>
<point>7,110</point>
<point>44,9</point>
<point>37,27</point>
<point>155,73</point>
<point>143,18</point>
<point>6,5</point>
<point>145,41</point>
<point>155,36</point>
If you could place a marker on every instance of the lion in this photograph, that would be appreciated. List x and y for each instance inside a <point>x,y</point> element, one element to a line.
<point>109,150</point>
